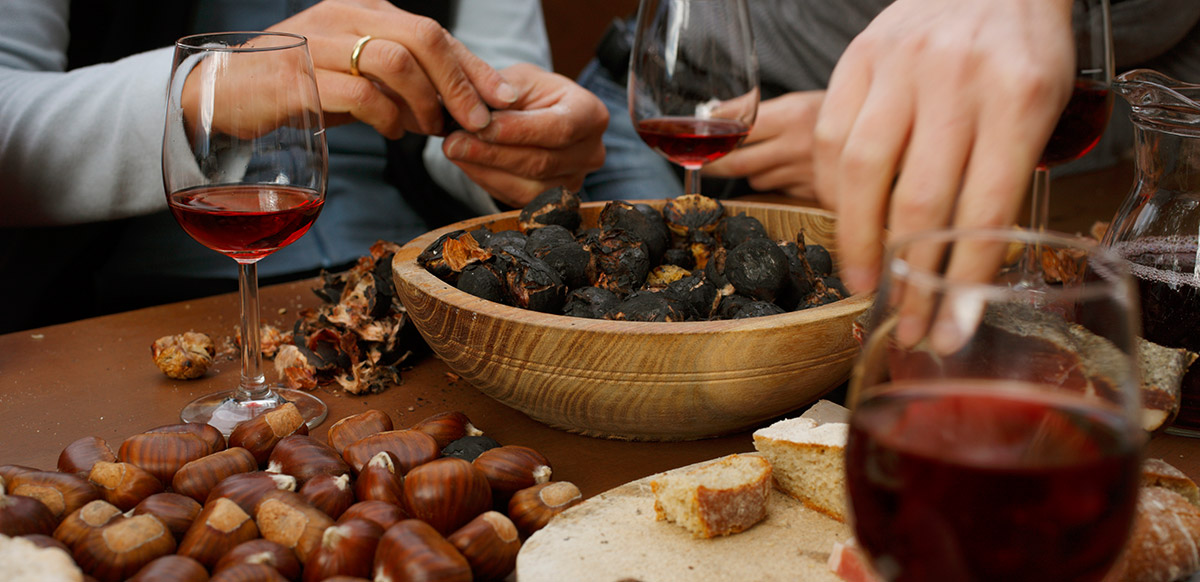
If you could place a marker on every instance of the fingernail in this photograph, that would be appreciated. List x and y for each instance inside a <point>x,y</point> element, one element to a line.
<point>457,147</point>
<point>858,279</point>
<point>480,117</point>
<point>506,93</point>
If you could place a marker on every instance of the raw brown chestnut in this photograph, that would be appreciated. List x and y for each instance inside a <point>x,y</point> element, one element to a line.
<point>81,522</point>
<point>381,512</point>
<point>171,568</point>
<point>351,429</point>
<point>260,434</point>
<point>447,427</point>
<point>45,541</point>
<point>79,456</point>
<point>346,549</point>
<point>490,543</point>
<point>378,480</point>
<point>246,489</point>
<point>164,452</point>
<point>305,457</point>
<point>411,448</point>
<point>21,515</point>
<point>123,484</point>
<point>62,493</point>
<point>220,526</point>
<point>7,472</point>
<point>413,550</point>
<point>262,552</point>
<point>332,495</point>
<point>532,508</point>
<point>446,493</point>
<point>198,478</point>
<point>511,468</point>
<point>248,573</point>
<point>118,550</point>
<point>176,511</point>
<point>286,518</point>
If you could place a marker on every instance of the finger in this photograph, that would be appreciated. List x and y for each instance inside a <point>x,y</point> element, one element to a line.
<point>865,171</point>
<point>847,91</point>
<point>528,162</point>
<point>346,95</point>
<point>513,190</point>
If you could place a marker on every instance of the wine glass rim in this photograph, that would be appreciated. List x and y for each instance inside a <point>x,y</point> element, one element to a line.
<point>204,41</point>
<point>1112,269</point>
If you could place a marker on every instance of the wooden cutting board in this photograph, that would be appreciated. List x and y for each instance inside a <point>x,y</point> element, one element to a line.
<point>614,537</point>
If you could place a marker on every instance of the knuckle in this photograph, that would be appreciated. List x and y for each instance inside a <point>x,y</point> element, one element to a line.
<point>394,59</point>
<point>428,32</point>
<point>360,92</point>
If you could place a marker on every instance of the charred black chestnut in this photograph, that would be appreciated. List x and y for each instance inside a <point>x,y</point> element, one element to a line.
<point>648,306</point>
<point>469,447</point>
<point>735,230</point>
<point>800,277</point>
<point>554,206</point>
<point>483,280</point>
<point>758,309</point>
<point>530,283</point>
<point>619,261</point>
<point>696,293</point>
<point>557,247</point>
<point>730,305</point>
<point>508,240</point>
<point>757,268</point>
<point>590,302</point>
<point>680,258</point>
<point>447,256</point>
<point>619,215</point>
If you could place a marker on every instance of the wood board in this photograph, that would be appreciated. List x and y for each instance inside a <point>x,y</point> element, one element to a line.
<point>614,537</point>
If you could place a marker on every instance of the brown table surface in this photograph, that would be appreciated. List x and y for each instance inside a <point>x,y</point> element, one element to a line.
<point>95,377</point>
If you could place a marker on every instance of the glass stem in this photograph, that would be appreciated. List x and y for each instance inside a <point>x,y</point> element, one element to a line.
<point>1040,205</point>
<point>691,180</point>
<point>253,385</point>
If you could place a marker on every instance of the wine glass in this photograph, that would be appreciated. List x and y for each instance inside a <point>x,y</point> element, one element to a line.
<point>244,166</point>
<point>994,431</point>
<point>1083,120</point>
<point>693,80</point>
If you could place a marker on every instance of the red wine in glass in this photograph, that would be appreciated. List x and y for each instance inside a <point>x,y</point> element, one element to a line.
<point>246,221</point>
<point>990,480</point>
<point>1081,124</point>
<point>692,142</point>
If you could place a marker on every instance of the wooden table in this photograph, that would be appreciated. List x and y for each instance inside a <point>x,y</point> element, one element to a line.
<point>95,377</point>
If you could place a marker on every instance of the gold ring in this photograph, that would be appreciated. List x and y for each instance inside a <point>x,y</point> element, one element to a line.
<point>357,52</point>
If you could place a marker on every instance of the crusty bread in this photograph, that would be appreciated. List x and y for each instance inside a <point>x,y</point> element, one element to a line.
<point>808,460</point>
<point>1159,473</point>
<point>725,496</point>
<point>1164,544</point>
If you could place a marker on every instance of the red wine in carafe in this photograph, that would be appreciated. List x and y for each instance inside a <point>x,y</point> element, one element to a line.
<point>1169,288</point>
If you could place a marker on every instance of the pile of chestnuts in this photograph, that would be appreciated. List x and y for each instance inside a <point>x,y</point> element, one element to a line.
<point>691,261</point>
<point>435,501</point>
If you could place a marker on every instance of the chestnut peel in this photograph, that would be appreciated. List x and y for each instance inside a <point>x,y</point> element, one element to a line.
<point>184,356</point>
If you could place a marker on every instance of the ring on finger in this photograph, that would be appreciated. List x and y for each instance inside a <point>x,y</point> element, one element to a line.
<point>357,52</point>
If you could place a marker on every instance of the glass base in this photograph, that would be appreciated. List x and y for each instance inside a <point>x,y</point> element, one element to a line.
<point>224,412</point>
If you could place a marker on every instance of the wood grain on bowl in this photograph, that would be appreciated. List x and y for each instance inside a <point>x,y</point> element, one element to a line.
<point>637,380</point>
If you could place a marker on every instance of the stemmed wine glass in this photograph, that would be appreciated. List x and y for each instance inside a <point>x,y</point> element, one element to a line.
<point>994,431</point>
<point>244,166</point>
<point>693,80</point>
<point>1083,120</point>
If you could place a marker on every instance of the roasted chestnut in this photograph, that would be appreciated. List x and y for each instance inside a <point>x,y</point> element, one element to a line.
<point>734,230</point>
<point>554,206</point>
<point>590,302</point>
<point>692,212</point>
<point>450,253</point>
<point>469,447</point>
<point>484,281</point>
<point>530,283</point>
<point>757,268</point>
<point>619,261</point>
<point>758,309</point>
<point>648,306</point>
<point>620,215</point>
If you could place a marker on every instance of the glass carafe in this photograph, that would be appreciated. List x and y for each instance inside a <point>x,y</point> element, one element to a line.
<point>1158,225</point>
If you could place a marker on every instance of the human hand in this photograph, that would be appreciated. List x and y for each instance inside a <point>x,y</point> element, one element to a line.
<point>410,69</point>
<point>936,115</point>
<point>550,136</point>
<point>778,153</point>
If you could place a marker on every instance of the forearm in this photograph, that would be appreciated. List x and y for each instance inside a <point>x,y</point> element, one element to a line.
<point>85,145</point>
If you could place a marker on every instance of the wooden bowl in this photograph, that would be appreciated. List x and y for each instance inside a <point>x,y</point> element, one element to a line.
<point>637,380</point>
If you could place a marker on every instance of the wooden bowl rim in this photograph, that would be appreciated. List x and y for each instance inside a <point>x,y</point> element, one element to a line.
<point>405,267</point>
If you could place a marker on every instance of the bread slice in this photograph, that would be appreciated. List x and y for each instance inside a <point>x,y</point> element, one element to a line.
<point>726,496</point>
<point>808,460</point>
